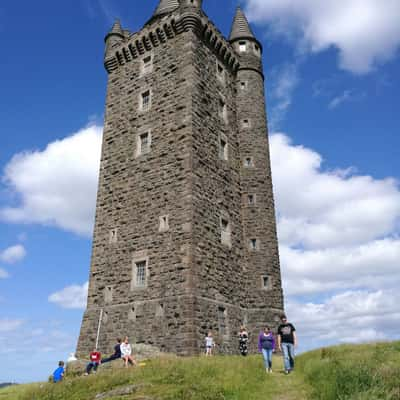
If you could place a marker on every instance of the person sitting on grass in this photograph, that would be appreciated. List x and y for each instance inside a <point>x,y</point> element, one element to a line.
<point>266,346</point>
<point>116,355</point>
<point>58,374</point>
<point>126,352</point>
<point>95,361</point>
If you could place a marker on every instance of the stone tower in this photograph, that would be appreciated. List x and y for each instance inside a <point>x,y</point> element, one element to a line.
<point>185,233</point>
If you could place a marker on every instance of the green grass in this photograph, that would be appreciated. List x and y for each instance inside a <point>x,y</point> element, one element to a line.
<point>364,372</point>
<point>367,372</point>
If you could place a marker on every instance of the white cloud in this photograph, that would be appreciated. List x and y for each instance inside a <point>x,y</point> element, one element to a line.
<point>10,325</point>
<point>320,209</point>
<point>365,32</point>
<point>340,244</point>
<point>57,186</point>
<point>284,80</point>
<point>345,97</point>
<point>13,254</point>
<point>74,296</point>
<point>3,274</point>
<point>351,316</point>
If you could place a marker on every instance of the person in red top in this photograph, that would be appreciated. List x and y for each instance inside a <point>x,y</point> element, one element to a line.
<point>95,361</point>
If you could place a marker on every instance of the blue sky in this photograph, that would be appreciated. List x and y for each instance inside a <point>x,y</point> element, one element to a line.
<point>332,80</point>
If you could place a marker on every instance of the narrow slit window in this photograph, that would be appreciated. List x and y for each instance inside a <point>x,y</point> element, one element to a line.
<point>266,282</point>
<point>223,110</point>
<point>223,149</point>
<point>147,65</point>
<point>144,143</point>
<point>248,162</point>
<point>225,232</point>
<point>253,244</point>
<point>113,238</point>
<point>246,123</point>
<point>164,223</point>
<point>243,85</point>
<point>242,46</point>
<point>251,199</point>
<point>220,72</point>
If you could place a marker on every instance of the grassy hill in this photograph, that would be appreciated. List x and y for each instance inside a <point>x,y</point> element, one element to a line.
<point>366,372</point>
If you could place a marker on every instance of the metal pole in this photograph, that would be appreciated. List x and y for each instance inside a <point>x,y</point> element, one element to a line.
<point>98,328</point>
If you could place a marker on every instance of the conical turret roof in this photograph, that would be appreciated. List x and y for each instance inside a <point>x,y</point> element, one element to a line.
<point>166,6</point>
<point>240,27</point>
<point>117,28</point>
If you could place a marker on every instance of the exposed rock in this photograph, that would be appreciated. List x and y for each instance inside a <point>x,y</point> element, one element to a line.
<point>122,391</point>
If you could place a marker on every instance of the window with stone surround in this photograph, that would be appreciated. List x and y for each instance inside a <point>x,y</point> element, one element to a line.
<point>253,244</point>
<point>222,314</point>
<point>243,85</point>
<point>223,110</point>
<point>143,143</point>
<point>266,282</point>
<point>251,199</point>
<point>248,162</point>
<point>113,236</point>
<point>245,123</point>
<point>225,231</point>
<point>223,148</point>
<point>147,65</point>
<point>164,223</point>
<point>139,273</point>
<point>132,314</point>
<point>242,46</point>
<point>220,72</point>
<point>108,294</point>
<point>145,100</point>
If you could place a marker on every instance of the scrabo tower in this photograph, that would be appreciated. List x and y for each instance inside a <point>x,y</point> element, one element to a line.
<point>185,234</point>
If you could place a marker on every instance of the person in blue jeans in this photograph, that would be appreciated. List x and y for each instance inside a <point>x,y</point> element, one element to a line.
<point>287,342</point>
<point>266,346</point>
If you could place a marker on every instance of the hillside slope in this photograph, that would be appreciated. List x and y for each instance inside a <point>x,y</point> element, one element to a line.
<point>366,372</point>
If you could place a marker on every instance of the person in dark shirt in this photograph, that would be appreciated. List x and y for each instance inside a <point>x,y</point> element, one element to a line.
<point>287,341</point>
<point>116,355</point>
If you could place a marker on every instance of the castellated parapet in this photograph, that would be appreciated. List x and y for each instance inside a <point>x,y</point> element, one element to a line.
<point>185,233</point>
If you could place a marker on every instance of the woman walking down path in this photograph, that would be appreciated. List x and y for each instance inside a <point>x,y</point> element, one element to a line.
<point>243,339</point>
<point>126,352</point>
<point>266,345</point>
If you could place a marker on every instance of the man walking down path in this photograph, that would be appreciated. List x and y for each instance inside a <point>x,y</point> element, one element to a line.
<point>116,355</point>
<point>287,342</point>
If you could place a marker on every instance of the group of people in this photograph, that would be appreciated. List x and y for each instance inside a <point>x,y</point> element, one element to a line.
<point>285,341</point>
<point>122,350</point>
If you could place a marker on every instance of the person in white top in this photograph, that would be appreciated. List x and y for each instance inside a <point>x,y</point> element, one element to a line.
<point>126,352</point>
<point>209,344</point>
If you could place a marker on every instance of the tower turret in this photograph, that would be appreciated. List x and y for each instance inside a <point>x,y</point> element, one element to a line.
<point>245,43</point>
<point>166,6</point>
<point>114,37</point>
<point>264,292</point>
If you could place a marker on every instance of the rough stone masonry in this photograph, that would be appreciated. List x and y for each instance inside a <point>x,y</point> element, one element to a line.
<point>185,234</point>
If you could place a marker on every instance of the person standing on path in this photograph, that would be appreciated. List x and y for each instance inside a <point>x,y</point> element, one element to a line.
<point>287,342</point>
<point>266,346</point>
<point>116,355</point>
<point>243,339</point>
